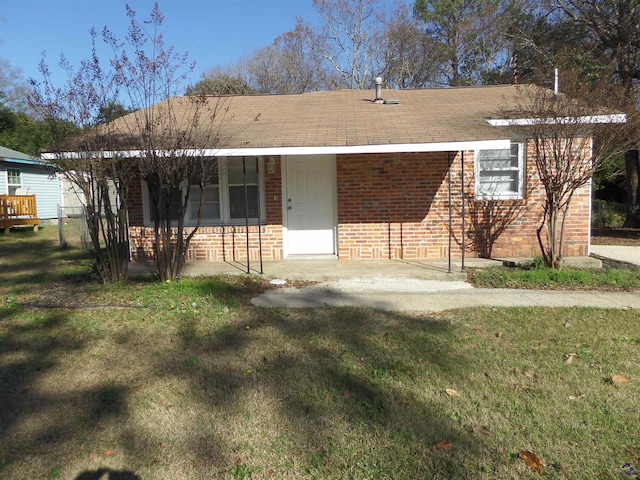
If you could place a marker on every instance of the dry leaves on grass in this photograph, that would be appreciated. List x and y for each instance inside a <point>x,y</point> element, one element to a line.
<point>452,393</point>
<point>532,460</point>
<point>445,445</point>
<point>620,380</point>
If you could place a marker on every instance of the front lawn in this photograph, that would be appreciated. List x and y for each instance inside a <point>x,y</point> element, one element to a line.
<point>188,380</point>
<point>614,277</point>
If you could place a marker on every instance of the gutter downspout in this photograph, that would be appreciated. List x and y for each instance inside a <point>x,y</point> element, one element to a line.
<point>450,208</point>
<point>463,214</point>
<point>246,209</point>
<point>258,205</point>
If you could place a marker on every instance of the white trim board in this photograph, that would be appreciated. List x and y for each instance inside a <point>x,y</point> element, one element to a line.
<point>585,120</point>
<point>326,150</point>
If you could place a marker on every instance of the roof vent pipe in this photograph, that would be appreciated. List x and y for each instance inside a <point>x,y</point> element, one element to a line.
<point>378,83</point>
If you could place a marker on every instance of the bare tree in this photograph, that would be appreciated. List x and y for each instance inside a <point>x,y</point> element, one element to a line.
<point>163,141</point>
<point>220,81</point>
<point>13,87</point>
<point>469,42</point>
<point>346,39</point>
<point>571,140</point>
<point>174,139</point>
<point>289,65</point>
<point>171,134</point>
<point>409,59</point>
<point>75,110</point>
<point>612,26</point>
<point>541,38</point>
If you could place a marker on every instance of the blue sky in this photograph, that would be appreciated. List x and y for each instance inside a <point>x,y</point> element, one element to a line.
<point>214,32</point>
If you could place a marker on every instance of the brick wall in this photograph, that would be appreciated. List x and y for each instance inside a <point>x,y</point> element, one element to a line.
<point>219,243</point>
<point>399,208</point>
<point>394,206</point>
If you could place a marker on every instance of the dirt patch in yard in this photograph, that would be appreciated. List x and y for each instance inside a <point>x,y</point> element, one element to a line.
<point>616,236</point>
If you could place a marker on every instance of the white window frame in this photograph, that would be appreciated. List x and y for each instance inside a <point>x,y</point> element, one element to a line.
<point>13,185</point>
<point>223,191</point>
<point>225,196</point>
<point>195,190</point>
<point>520,169</point>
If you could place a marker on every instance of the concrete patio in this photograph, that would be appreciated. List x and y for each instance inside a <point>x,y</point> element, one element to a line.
<point>323,269</point>
<point>326,268</point>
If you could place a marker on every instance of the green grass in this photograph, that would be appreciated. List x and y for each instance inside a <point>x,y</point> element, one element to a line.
<point>29,258</point>
<point>627,278</point>
<point>164,388</point>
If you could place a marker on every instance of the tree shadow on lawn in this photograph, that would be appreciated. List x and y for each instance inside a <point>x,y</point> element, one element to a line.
<point>335,389</point>
<point>107,474</point>
<point>36,417</point>
<point>37,260</point>
<point>316,393</point>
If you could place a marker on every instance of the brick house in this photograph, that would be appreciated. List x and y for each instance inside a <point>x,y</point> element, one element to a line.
<point>424,173</point>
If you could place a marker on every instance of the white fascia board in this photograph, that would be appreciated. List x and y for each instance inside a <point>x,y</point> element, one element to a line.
<point>355,149</point>
<point>334,150</point>
<point>586,120</point>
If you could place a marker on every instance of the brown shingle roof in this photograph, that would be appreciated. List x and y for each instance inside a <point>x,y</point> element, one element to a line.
<point>351,118</point>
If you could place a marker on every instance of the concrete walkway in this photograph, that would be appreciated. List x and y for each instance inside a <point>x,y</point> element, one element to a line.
<point>398,285</point>
<point>394,294</point>
<point>617,252</point>
<point>403,290</point>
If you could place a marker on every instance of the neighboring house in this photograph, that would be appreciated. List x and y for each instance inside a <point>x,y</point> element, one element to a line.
<point>423,175</point>
<point>73,198</point>
<point>22,174</point>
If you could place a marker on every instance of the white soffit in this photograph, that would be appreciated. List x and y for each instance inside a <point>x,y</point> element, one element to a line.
<point>586,120</point>
<point>337,150</point>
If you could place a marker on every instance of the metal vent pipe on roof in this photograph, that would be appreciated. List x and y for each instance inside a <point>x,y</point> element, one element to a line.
<point>378,83</point>
<point>379,99</point>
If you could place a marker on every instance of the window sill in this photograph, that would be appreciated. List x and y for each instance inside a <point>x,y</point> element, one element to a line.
<point>235,223</point>
<point>497,198</point>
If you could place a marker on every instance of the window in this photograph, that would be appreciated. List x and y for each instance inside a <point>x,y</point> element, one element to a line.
<point>499,173</point>
<point>173,205</point>
<point>14,180</point>
<point>232,192</point>
<point>211,203</point>
<point>241,197</point>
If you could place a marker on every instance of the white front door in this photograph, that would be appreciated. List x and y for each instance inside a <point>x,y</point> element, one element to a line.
<point>310,205</point>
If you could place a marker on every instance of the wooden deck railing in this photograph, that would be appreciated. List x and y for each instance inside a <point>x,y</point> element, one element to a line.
<point>18,210</point>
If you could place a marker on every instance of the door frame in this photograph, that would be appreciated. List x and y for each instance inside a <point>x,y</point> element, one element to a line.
<point>285,217</point>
